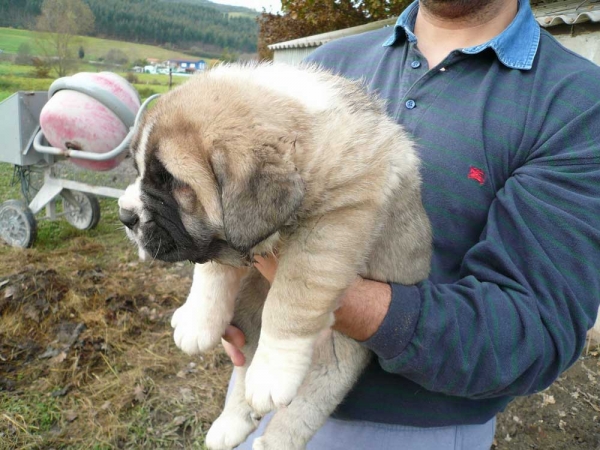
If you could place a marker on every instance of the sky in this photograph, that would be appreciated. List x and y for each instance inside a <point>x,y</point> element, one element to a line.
<point>270,5</point>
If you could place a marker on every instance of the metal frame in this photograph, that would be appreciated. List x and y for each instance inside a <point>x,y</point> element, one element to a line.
<point>54,187</point>
<point>25,142</point>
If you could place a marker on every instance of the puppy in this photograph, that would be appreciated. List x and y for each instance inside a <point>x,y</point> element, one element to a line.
<point>249,159</point>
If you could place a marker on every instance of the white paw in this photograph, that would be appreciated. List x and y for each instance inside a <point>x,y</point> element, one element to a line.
<point>276,373</point>
<point>229,431</point>
<point>261,444</point>
<point>194,332</point>
<point>270,442</point>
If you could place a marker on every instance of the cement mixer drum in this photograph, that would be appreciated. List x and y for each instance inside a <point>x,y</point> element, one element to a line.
<point>90,112</point>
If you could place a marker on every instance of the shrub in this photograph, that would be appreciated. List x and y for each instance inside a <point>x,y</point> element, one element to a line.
<point>6,57</point>
<point>23,57</point>
<point>146,92</point>
<point>116,56</point>
<point>41,68</point>
<point>132,78</point>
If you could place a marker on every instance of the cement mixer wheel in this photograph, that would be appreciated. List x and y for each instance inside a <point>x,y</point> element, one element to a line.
<point>17,224</point>
<point>85,215</point>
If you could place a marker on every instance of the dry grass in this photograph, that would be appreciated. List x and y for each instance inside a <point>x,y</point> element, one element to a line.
<point>86,352</point>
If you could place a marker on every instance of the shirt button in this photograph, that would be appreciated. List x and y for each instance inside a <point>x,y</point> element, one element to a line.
<point>415,64</point>
<point>410,104</point>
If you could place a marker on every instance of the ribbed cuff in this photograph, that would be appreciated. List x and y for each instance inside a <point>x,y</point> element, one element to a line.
<point>398,326</point>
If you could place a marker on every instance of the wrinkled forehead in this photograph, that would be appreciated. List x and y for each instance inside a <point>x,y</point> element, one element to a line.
<point>141,146</point>
<point>145,150</point>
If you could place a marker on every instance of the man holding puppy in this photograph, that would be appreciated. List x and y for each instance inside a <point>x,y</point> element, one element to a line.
<point>506,123</point>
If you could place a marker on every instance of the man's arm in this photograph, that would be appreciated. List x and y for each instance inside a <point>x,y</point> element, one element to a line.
<point>528,291</point>
<point>519,314</point>
<point>363,308</point>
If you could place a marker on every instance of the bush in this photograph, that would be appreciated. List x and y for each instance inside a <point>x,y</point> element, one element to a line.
<point>139,62</point>
<point>6,57</point>
<point>23,57</point>
<point>116,56</point>
<point>5,85</point>
<point>146,92</point>
<point>41,68</point>
<point>132,78</point>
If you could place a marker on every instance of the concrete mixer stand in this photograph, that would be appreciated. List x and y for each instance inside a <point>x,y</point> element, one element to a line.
<point>19,131</point>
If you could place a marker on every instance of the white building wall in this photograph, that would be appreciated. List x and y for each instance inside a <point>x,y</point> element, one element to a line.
<point>292,56</point>
<point>583,39</point>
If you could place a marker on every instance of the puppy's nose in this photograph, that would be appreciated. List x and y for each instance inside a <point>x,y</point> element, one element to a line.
<point>128,217</point>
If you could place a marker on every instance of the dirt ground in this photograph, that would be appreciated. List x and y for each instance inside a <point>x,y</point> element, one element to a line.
<point>87,359</point>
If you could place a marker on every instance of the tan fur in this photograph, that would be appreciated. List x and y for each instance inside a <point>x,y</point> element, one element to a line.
<point>352,179</point>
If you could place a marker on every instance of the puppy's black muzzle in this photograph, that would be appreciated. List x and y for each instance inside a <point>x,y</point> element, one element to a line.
<point>129,218</point>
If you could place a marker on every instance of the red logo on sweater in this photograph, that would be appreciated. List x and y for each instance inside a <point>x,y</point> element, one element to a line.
<point>477,175</point>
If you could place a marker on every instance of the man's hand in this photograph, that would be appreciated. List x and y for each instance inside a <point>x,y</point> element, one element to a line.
<point>233,339</point>
<point>361,310</point>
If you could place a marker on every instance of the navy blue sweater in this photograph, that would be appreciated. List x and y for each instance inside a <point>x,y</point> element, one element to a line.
<point>509,136</point>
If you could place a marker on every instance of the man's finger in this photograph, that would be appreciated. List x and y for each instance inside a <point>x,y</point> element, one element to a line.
<point>233,339</point>
<point>234,353</point>
<point>267,266</point>
<point>234,336</point>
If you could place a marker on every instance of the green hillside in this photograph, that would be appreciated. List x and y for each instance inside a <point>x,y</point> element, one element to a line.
<point>21,78</point>
<point>15,78</point>
<point>198,26</point>
<point>95,48</point>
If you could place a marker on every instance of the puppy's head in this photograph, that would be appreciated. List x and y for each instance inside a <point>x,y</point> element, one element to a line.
<point>216,176</point>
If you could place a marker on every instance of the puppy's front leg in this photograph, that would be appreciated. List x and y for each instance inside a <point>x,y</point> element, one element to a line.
<point>337,363</point>
<point>317,264</point>
<point>201,321</point>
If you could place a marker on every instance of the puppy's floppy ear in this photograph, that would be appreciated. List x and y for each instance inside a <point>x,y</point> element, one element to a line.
<point>259,193</point>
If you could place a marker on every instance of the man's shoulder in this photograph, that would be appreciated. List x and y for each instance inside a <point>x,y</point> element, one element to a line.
<point>352,51</point>
<point>558,62</point>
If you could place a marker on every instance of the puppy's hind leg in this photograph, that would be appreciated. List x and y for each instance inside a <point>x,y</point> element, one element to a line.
<point>337,364</point>
<point>237,420</point>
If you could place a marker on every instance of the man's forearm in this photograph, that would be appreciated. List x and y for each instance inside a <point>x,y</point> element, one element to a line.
<point>362,309</point>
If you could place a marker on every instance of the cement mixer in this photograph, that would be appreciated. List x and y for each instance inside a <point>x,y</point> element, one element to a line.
<point>89,119</point>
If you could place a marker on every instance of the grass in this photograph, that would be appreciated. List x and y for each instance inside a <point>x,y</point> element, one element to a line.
<point>95,48</point>
<point>15,78</point>
<point>19,78</point>
<point>121,382</point>
<point>26,419</point>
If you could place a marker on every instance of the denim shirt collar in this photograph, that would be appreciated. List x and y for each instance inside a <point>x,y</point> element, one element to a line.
<point>515,47</point>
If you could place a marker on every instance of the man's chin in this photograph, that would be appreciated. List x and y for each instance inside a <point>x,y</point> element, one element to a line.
<point>455,9</point>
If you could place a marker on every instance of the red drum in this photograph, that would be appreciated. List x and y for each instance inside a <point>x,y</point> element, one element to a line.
<point>74,120</point>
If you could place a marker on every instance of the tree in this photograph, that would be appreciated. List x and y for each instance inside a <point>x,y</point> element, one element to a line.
<point>116,56</point>
<point>303,18</point>
<point>23,54</point>
<point>60,24</point>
